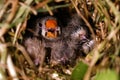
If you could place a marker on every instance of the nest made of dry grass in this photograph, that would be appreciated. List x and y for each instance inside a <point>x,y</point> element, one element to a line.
<point>14,14</point>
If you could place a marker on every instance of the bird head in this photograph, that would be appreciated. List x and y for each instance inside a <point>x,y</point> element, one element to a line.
<point>79,34</point>
<point>49,28</point>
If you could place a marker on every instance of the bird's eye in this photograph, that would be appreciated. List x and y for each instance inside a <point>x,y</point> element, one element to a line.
<point>40,25</point>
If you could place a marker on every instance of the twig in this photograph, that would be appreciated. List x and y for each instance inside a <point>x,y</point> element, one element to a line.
<point>32,9</point>
<point>87,23</point>
<point>13,10</point>
<point>22,49</point>
<point>49,10</point>
<point>3,56</point>
<point>23,27</point>
<point>3,30</point>
<point>11,68</point>
<point>5,27</point>
<point>41,4</point>
<point>16,33</point>
<point>4,9</point>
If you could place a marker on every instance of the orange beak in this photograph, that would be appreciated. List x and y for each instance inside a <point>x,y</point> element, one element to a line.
<point>51,35</point>
<point>51,26</point>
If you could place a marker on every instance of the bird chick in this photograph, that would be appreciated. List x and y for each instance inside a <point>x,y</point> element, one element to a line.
<point>79,34</point>
<point>76,28</point>
<point>47,31</point>
<point>63,52</point>
<point>62,49</point>
<point>63,43</point>
<point>35,49</point>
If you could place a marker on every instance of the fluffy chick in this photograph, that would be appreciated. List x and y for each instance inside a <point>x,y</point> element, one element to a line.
<point>36,50</point>
<point>46,33</point>
<point>74,36</point>
<point>63,52</point>
<point>78,32</point>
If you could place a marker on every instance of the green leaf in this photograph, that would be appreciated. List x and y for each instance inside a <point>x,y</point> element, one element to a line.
<point>79,71</point>
<point>106,75</point>
<point>53,7</point>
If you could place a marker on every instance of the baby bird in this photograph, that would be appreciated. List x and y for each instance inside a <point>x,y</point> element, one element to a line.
<point>63,41</point>
<point>47,31</point>
<point>76,29</point>
<point>79,34</point>
<point>50,30</point>
<point>63,52</point>
<point>35,49</point>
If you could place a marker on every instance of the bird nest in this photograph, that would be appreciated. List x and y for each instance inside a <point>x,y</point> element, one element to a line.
<point>28,55</point>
